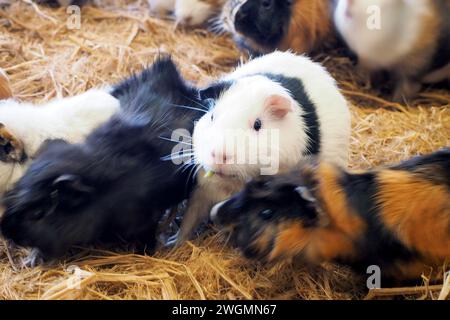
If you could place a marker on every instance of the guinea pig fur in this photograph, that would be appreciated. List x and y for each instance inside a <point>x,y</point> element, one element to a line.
<point>408,38</point>
<point>196,12</point>
<point>262,26</point>
<point>394,217</point>
<point>115,186</point>
<point>25,126</point>
<point>277,95</point>
<point>161,7</point>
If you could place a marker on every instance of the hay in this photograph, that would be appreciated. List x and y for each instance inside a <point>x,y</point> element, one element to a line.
<point>44,59</point>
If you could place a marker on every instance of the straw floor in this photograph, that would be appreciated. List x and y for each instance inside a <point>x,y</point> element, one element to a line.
<point>44,59</point>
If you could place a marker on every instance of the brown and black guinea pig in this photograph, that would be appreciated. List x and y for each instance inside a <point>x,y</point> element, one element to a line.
<point>396,217</point>
<point>262,26</point>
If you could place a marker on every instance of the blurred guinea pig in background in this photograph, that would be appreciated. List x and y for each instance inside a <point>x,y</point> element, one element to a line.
<point>262,26</point>
<point>408,38</point>
<point>187,12</point>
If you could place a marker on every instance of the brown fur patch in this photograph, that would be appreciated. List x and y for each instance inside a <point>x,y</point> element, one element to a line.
<point>6,137</point>
<point>310,25</point>
<point>334,201</point>
<point>317,244</point>
<point>416,211</point>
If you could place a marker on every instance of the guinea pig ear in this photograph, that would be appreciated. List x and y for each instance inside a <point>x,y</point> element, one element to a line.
<point>70,189</point>
<point>279,106</point>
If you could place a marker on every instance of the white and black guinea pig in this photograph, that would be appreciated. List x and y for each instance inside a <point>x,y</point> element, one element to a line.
<point>280,97</point>
<point>115,186</point>
<point>25,126</point>
<point>262,26</point>
<point>408,38</point>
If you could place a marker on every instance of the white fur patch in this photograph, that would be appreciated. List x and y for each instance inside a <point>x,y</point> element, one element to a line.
<point>192,12</point>
<point>71,119</point>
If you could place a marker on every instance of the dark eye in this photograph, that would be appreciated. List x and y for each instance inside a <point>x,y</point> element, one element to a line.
<point>212,116</point>
<point>7,148</point>
<point>257,125</point>
<point>38,214</point>
<point>266,4</point>
<point>266,214</point>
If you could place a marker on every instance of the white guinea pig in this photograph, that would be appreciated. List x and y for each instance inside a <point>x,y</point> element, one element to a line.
<point>276,109</point>
<point>24,127</point>
<point>409,38</point>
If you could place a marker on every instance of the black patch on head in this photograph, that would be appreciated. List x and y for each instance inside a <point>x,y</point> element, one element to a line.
<point>378,246</point>
<point>310,117</point>
<point>264,21</point>
<point>214,91</point>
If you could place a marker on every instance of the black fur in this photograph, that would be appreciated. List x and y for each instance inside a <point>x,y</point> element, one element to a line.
<point>264,21</point>
<point>442,55</point>
<point>297,90</point>
<point>361,191</point>
<point>115,186</point>
<point>56,3</point>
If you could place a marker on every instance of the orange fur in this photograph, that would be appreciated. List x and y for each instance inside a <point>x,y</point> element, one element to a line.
<point>417,211</point>
<point>334,202</point>
<point>310,25</point>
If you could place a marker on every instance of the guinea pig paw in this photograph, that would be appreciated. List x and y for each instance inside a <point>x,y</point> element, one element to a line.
<point>33,260</point>
<point>11,149</point>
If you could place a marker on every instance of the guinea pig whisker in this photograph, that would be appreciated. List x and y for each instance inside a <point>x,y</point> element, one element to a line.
<point>197,103</point>
<point>189,108</point>
<point>175,157</point>
<point>177,141</point>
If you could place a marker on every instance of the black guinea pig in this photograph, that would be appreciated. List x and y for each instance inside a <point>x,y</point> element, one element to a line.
<point>117,184</point>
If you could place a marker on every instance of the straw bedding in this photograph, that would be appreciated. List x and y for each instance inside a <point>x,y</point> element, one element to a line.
<point>44,59</point>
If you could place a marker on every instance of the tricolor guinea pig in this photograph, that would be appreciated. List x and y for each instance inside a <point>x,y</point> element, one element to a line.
<point>115,186</point>
<point>263,118</point>
<point>396,217</point>
<point>262,26</point>
<point>25,126</point>
<point>408,38</point>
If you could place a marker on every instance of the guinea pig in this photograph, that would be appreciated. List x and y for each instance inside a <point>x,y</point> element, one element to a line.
<point>262,26</point>
<point>394,217</point>
<point>264,117</point>
<point>25,126</point>
<point>408,38</point>
<point>115,186</point>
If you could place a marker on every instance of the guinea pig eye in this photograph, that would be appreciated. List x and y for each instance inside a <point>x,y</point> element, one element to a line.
<point>257,125</point>
<point>212,117</point>
<point>266,4</point>
<point>266,214</point>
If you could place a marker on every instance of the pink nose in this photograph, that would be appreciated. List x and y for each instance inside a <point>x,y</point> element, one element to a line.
<point>222,156</point>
